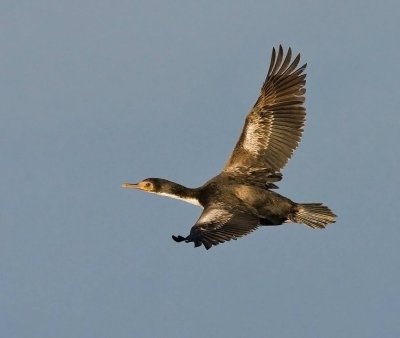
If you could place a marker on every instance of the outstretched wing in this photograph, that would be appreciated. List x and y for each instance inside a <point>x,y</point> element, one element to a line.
<point>218,224</point>
<point>274,126</point>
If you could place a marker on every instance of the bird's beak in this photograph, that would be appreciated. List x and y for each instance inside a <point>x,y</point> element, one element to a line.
<point>130,185</point>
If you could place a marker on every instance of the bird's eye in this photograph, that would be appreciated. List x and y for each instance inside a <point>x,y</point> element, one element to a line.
<point>146,186</point>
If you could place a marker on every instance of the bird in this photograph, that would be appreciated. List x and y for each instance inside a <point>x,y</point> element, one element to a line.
<point>240,199</point>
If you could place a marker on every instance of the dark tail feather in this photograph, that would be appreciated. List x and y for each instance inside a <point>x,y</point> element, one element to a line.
<point>315,215</point>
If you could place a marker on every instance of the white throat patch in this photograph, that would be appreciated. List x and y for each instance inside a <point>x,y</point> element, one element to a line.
<point>190,200</point>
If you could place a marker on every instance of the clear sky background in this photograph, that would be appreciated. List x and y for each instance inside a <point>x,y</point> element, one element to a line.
<point>96,93</point>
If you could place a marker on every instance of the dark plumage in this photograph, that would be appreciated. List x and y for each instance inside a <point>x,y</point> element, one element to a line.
<point>239,199</point>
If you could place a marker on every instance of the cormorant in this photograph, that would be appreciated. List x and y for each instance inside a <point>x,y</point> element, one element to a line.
<point>239,199</point>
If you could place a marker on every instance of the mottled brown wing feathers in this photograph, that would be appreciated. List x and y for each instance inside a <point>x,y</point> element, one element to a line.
<point>218,224</point>
<point>274,126</point>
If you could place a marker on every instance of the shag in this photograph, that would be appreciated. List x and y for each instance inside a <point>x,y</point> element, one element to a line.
<point>240,199</point>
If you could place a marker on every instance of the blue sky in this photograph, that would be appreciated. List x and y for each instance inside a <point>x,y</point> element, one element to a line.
<point>96,93</point>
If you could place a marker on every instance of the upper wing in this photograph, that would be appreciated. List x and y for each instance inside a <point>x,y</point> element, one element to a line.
<point>274,126</point>
<point>218,224</point>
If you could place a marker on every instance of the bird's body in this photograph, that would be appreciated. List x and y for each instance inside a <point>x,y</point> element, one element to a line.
<point>240,199</point>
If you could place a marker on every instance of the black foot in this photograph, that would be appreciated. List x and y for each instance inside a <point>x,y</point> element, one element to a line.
<point>178,238</point>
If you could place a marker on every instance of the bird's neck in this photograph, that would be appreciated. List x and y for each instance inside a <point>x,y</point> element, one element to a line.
<point>180,192</point>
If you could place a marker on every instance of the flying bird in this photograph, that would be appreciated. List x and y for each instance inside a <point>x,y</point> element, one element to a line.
<point>240,199</point>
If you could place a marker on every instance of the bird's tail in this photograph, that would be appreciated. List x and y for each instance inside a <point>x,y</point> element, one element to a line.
<point>315,215</point>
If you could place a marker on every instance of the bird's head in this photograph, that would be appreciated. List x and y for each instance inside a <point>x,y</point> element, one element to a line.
<point>152,185</point>
<point>167,188</point>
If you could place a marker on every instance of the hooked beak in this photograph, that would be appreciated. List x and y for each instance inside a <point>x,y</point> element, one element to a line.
<point>130,185</point>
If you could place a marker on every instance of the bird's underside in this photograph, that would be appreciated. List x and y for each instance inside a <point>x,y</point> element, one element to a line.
<point>221,223</point>
<point>239,199</point>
